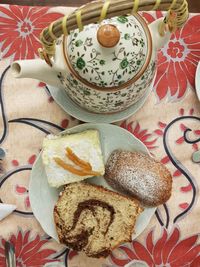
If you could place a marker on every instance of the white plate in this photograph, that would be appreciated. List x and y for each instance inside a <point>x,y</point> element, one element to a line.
<point>69,106</point>
<point>43,197</point>
<point>197,81</point>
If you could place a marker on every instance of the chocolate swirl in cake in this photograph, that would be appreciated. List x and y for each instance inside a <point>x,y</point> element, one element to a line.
<point>94,219</point>
<point>79,241</point>
<point>90,204</point>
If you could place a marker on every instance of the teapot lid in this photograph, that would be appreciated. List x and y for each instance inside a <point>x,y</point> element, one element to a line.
<point>109,55</point>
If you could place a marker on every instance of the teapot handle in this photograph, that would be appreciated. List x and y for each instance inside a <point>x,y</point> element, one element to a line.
<point>97,11</point>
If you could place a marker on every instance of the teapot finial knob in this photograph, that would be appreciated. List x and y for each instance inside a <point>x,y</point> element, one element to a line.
<point>108,35</point>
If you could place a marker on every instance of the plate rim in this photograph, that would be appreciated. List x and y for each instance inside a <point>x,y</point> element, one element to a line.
<point>74,130</point>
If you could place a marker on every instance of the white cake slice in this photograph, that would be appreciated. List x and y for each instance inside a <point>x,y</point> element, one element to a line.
<point>84,145</point>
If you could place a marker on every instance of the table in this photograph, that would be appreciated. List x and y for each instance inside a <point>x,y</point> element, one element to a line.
<point>28,112</point>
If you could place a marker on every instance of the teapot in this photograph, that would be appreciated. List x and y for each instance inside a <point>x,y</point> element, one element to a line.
<point>104,53</point>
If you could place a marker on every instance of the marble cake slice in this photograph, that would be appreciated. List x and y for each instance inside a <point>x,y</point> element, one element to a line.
<point>93,219</point>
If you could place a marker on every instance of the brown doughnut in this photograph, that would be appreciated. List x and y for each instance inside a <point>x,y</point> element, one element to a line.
<point>140,176</point>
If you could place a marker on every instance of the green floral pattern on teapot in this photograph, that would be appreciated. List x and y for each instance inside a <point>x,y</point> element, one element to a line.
<point>108,67</point>
<point>106,101</point>
<point>80,63</point>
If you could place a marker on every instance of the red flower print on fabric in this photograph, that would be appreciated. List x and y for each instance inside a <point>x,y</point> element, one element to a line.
<point>64,123</point>
<point>20,27</point>
<point>168,250</point>
<point>21,190</point>
<point>177,60</point>
<point>180,139</point>
<point>15,162</point>
<point>29,251</point>
<point>72,254</point>
<point>175,49</point>
<point>30,161</point>
<point>143,135</point>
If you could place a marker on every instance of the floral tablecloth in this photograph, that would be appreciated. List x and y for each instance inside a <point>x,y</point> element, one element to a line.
<point>28,113</point>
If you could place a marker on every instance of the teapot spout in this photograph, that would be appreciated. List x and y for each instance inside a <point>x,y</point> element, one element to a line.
<point>35,69</point>
<point>158,40</point>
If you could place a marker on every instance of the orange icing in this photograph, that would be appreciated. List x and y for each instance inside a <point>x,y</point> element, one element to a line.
<point>81,163</point>
<point>83,171</point>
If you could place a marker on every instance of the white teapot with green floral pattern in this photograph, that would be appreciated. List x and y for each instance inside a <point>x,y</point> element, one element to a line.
<point>104,53</point>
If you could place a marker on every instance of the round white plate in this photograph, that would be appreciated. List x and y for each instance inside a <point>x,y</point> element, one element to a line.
<point>43,197</point>
<point>197,81</point>
<point>69,106</point>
